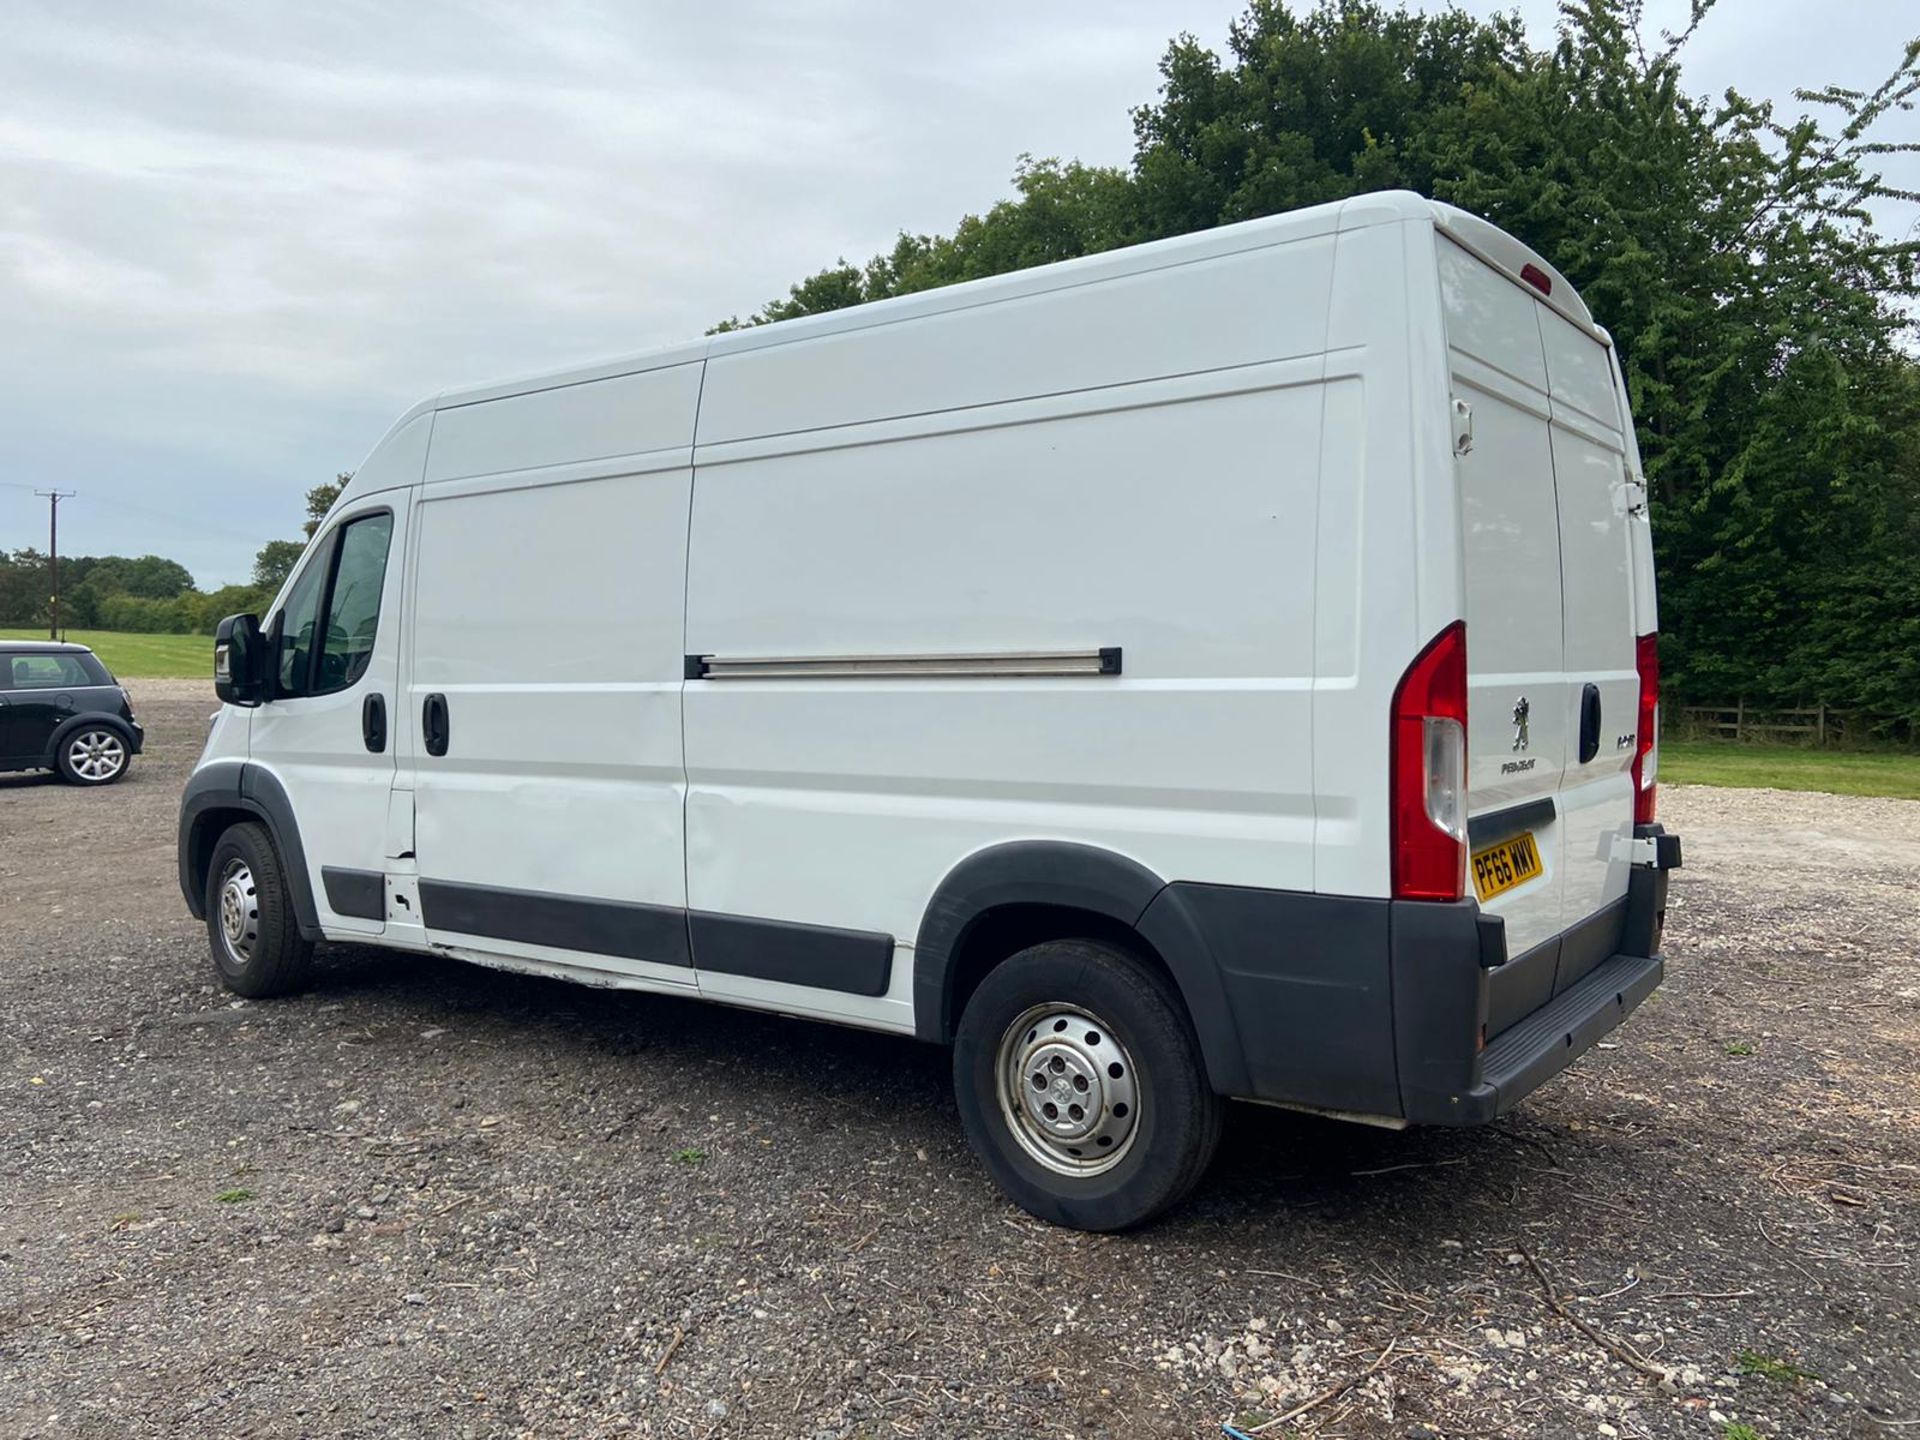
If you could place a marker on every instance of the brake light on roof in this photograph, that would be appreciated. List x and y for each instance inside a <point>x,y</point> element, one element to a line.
<point>1429,771</point>
<point>1537,278</point>
<point>1646,743</point>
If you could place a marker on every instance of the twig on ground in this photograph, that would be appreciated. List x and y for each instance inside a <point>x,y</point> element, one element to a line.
<point>1703,1295</point>
<point>679,1334</point>
<point>1332,1392</point>
<point>1619,1349</point>
<point>1411,1165</point>
<point>1635,1280</point>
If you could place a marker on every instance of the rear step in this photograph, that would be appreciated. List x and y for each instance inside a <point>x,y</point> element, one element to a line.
<point>1559,1032</point>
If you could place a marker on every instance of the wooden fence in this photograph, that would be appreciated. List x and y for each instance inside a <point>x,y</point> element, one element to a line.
<point>1818,727</point>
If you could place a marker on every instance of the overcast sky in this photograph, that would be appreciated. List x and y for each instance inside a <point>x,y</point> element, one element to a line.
<point>237,239</point>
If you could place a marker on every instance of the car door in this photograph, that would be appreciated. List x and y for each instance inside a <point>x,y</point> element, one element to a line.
<point>40,699</point>
<point>8,755</point>
<point>326,732</point>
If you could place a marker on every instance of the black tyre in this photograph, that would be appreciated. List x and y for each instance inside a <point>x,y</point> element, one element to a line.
<point>94,755</point>
<point>1082,1088</point>
<point>250,923</point>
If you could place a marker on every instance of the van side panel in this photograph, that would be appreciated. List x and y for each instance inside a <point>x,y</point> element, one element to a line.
<point>1170,518</point>
<point>547,616</point>
<point>1386,573</point>
<point>625,415</point>
<point>1240,309</point>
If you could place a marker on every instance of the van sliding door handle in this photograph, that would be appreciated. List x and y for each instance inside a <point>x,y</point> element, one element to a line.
<point>373,722</point>
<point>433,724</point>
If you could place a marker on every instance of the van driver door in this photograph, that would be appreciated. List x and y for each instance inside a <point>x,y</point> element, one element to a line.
<point>326,733</point>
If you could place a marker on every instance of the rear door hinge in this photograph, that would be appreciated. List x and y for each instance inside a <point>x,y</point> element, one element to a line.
<point>1656,852</point>
<point>1462,427</point>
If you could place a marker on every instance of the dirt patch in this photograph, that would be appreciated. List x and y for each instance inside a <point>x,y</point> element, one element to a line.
<point>426,1199</point>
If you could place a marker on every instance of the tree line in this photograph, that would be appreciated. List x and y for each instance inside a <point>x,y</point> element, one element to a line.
<point>1728,248</point>
<point>149,593</point>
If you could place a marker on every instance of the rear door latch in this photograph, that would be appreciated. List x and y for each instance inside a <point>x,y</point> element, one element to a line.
<point>1462,428</point>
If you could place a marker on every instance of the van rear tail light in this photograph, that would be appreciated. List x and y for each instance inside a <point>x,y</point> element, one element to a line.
<point>1429,772</point>
<point>1537,278</point>
<point>1646,744</point>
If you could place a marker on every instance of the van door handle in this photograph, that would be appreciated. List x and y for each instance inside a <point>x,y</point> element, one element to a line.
<point>373,722</point>
<point>1589,722</point>
<point>433,723</point>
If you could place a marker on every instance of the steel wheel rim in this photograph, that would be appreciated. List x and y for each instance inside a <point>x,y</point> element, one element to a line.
<point>1068,1089</point>
<point>96,754</point>
<point>239,912</point>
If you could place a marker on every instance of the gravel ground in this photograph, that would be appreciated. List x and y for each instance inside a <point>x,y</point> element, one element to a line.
<point>426,1199</point>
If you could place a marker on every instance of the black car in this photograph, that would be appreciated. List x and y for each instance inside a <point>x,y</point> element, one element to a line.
<point>61,710</point>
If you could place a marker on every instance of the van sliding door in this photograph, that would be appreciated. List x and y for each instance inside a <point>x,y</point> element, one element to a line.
<point>547,665</point>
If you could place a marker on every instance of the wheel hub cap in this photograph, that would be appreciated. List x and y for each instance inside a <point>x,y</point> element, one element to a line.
<point>1067,1089</point>
<point>96,754</point>
<point>239,912</point>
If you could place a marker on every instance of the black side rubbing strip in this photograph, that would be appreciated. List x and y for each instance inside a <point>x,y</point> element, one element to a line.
<point>853,962</point>
<point>566,922</point>
<point>361,893</point>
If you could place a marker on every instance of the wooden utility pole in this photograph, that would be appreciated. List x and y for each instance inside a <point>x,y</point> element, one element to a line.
<point>53,499</point>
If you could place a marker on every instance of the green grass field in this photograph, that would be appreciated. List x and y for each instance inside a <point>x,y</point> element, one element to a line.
<point>1788,767</point>
<point>140,657</point>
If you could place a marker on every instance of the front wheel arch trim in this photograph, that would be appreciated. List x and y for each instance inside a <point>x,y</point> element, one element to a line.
<point>222,794</point>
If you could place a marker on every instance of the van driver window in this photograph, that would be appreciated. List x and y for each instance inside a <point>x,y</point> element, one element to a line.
<point>353,607</point>
<point>329,622</point>
<point>296,624</point>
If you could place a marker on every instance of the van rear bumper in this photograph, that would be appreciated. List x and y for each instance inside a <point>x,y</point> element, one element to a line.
<point>1381,1007</point>
<point>1554,1036</point>
<point>1608,964</point>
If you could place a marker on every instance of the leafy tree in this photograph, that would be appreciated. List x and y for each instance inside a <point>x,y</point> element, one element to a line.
<point>150,577</point>
<point>276,561</point>
<point>320,500</point>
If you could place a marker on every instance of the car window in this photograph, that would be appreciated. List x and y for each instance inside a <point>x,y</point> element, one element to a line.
<point>353,604</point>
<point>47,672</point>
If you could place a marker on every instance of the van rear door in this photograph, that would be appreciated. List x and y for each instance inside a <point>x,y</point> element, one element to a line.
<point>1552,682</point>
<point>1597,623</point>
<point>1517,741</point>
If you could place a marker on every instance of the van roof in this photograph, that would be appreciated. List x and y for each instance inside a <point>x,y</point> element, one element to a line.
<point>1382,207</point>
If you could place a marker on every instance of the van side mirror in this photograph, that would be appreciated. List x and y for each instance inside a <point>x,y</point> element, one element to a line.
<point>240,661</point>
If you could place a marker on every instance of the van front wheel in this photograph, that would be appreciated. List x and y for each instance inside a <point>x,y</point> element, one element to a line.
<point>255,939</point>
<point>1081,1086</point>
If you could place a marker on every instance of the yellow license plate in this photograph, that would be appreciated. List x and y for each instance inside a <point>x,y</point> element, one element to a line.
<point>1498,868</point>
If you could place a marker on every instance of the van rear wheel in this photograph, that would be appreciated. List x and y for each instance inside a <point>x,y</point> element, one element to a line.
<point>1081,1086</point>
<point>255,939</point>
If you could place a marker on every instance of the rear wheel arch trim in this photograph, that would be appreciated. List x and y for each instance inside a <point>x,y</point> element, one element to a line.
<point>1064,875</point>
<point>238,786</point>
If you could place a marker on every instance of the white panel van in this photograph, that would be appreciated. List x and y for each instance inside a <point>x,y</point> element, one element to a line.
<point>1218,668</point>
